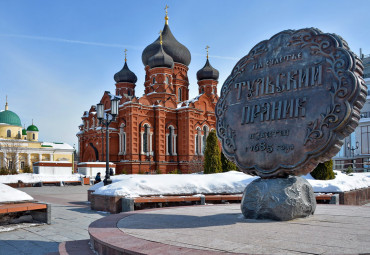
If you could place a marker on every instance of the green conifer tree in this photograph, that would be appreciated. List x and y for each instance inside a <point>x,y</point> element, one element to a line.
<point>324,171</point>
<point>227,165</point>
<point>212,155</point>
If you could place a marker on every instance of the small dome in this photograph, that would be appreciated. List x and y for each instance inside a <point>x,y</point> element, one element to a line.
<point>10,118</point>
<point>32,128</point>
<point>171,46</point>
<point>125,75</point>
<point>207,72</point>
<point>160,59</point>
<point>24,131</point>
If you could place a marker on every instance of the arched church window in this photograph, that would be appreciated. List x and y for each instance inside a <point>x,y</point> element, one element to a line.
<point>146,138</point>
<point>129,92</point>
<point>202,90</point>
<point>8,133</point>
<point>179,94</point>
<point>205,135</point>
<point>33,136</point>
<point>19,135</point>
<point>122,140</point>
<point>197,141</point>
<point>153,80</point>
<point>167,80</point>
<point>170,141</point>
<point>93,123</point>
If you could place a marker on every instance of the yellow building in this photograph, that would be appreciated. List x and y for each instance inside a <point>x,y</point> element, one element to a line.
<point>20,148</point>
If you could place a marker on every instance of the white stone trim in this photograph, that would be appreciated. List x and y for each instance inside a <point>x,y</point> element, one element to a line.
<point>167,152</point>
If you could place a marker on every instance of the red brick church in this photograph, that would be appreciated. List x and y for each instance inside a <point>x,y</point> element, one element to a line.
<point>162,130</point>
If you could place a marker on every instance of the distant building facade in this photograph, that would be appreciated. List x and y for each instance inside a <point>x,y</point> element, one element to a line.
<point>163,130</point>
<point>355,151</point>
<point>20,147</point>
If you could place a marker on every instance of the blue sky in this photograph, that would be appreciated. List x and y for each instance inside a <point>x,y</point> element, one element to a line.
<point>58,57</point>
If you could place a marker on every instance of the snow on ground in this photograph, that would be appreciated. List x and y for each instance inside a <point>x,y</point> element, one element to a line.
<point>34,178</point>
<point>341,183</point>
<point>174,184</point>
<point>9,194</point>
<point>230,182</point>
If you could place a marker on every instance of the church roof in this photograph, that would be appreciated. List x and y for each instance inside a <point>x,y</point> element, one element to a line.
<point>171,46</point>
<point>10,118</point>
<point>125,75</point>
<point>32,128</point>
<point>207,72</point>
<point>160,59</point>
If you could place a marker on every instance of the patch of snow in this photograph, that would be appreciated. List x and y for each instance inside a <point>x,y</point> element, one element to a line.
<point>193,100</point>
<point>174,184</point>
<point>341,183</point>
<point>9,194</point>
<point>58,145</point>
<point>232,182</point>
<point>35,178</point>
<point>11,227</point>
<point>100,128</point>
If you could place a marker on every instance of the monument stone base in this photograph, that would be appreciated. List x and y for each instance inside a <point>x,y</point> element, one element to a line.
<point>279,199</point>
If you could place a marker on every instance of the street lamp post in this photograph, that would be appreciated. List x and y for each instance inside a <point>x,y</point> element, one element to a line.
<point>349,147</point>
<point>353,152</point>
<point>106,119</point>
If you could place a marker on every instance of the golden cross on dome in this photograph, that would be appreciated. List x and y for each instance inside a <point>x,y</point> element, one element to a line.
<point>125,55</point>
<point>160,37</point>
<point>166,17</point>
<point>207,47</point>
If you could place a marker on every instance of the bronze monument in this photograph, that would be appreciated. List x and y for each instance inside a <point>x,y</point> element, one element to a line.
<point>286,107</point>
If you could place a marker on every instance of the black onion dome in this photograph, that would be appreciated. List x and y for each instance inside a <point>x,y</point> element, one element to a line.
<point>125,75</point>
<point>160,59</point>
<point>171,46</point>
<point>207,72</point>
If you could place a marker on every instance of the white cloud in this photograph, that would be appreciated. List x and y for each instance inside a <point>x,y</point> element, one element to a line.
<point>53,39</point>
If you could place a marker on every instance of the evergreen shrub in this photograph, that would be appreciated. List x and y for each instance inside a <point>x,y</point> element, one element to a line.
<point>3,171</point>
<point>212,155</point>
<point>227,165</point>
<point>324,171</point>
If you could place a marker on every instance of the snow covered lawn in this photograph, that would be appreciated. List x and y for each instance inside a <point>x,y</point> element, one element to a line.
<point>223,183</point>
<point>9,194</point>
<point>35,178</point>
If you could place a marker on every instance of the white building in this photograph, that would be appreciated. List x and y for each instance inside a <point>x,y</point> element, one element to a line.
<point>355,151</point>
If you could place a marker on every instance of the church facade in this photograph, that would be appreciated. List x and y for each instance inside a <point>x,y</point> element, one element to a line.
<point>20,148</point>
<point>163,130</point>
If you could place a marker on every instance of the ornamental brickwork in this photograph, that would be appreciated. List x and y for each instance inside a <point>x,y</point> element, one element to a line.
<point>163,130</point>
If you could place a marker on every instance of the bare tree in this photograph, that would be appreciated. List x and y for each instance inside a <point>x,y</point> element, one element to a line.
<point>196,164</point>
<point>12,148</point>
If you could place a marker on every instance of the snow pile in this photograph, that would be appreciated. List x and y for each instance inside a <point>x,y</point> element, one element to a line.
<point>341,183</point>
<point>35,178</point>
<point>9,194</point>
<point>58,145</point>
<point>173,184</point>
<point>223,183</point>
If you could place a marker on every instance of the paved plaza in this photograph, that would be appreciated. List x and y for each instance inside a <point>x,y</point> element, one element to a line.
<point>214,228</point>
<point>334,229</point>
<point>70,216</point>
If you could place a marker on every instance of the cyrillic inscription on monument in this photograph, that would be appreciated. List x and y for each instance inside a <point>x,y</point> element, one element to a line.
<point>288,104</point>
